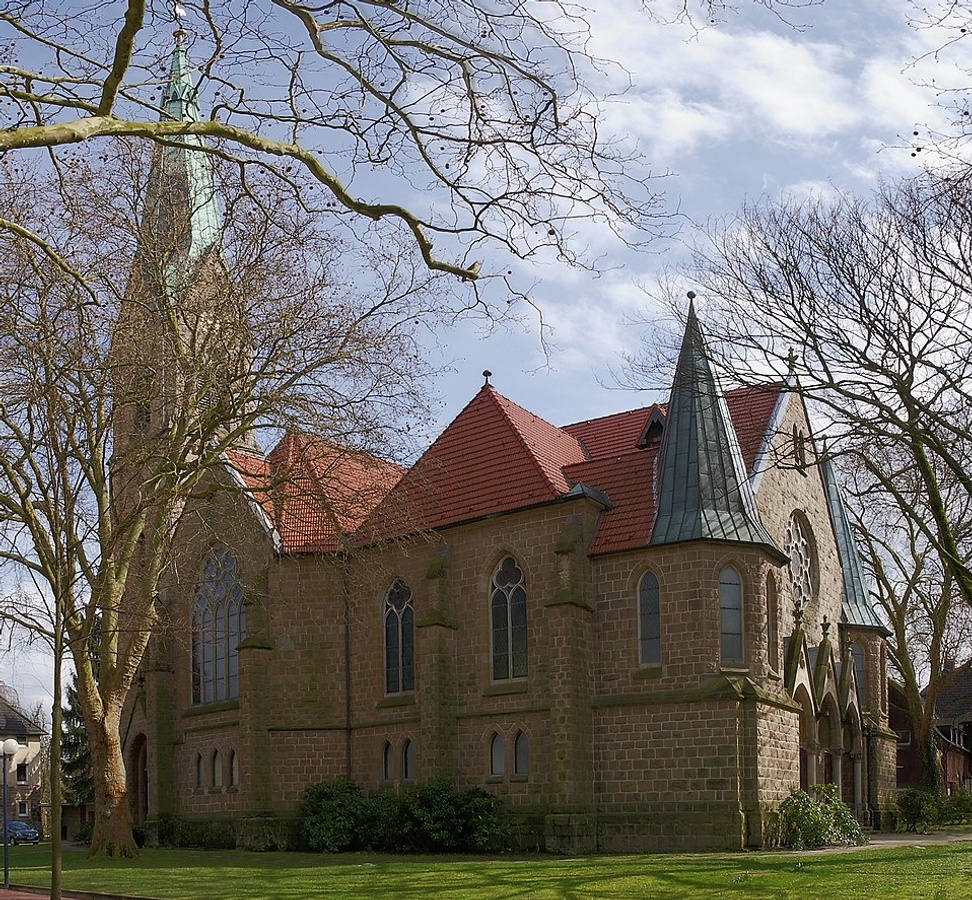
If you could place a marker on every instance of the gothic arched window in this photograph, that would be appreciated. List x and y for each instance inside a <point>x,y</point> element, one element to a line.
<point>497,755</point>
<point>218,627</point>
<point>730,616</point>
<point>399,639</point>
<point>649,620</point>
<point>408,761</point>
<point>508,619</point>
<point>521,754</point>
<point>772,623</point>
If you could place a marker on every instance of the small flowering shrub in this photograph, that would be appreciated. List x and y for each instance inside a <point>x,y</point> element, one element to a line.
<point>805,822</point>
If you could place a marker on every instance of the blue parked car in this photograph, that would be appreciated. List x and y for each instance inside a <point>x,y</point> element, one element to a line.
<point>22,833</point>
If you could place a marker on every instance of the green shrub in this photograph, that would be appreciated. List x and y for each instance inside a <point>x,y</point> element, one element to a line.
<point>918,808</point>
<point>333,816</point>
<point>389,825</point>
<point>957,809</point>
<point>806,822</point>
<point>429,818</point>
<point>84,832</point>
<point>204,834</point>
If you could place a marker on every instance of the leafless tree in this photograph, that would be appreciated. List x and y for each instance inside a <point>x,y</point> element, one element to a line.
<point>931,626</point>
<point>460,120</point>
<point>119,400</point>
<point>866,303</point>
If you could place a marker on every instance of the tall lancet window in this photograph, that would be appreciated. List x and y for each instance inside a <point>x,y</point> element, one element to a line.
<point>399,639</point>
<point>508,600</point>
<point>218,627</point>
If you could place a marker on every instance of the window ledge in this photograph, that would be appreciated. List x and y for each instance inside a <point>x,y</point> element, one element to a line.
<point>645,672</point>
<point>201,709</point>
<point>738,669</point>
<point>233,789</point>
<point>519,779</point>
<point>394,700</point>
<point>506,687</point>
<point>215,790</point>
<point>494,779</point>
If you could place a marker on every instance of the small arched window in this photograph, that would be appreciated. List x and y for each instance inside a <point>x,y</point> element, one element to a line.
<point>730,616</point>
<point>497,755</point>
<point>860,673</point>
<point>200,772</point>
<point>218,628</point>
<point>217,769</point>
<point>772,623</point>
<point>234,769</point>
<point>521,754</point>
<point>508,618</point>
<point>399,639</point>
<point>387,762</point>
<point>649,619</point>
<point>408,761</point>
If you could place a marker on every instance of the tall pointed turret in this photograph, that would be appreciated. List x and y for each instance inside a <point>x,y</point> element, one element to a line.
<point>703,490</point>
<point>856,607</point>
<point>182,348</point>
<point>182,220</point>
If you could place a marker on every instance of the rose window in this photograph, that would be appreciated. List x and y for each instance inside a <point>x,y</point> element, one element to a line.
<point>803,562</point>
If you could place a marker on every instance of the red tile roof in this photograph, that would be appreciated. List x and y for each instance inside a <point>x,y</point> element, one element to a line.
<point>315,492</point>
<point>494,457</point>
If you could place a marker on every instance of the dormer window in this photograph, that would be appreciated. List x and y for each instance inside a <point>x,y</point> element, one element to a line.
<point>654,428</point>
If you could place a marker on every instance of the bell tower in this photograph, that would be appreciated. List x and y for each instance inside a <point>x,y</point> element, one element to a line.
<point>181,349</point>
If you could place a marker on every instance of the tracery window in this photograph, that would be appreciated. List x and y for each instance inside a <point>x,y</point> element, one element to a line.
<point>508,599</point>
<point>730,616</point>
<point>218,627</point>
<point>399,639</point>
<point>803,560</point>
<point>649,619</point>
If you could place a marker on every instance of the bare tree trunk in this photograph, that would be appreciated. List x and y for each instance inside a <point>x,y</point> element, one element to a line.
<point>112,835</point>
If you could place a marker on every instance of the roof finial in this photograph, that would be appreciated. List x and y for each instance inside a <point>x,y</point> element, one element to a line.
<point>487,375</point>
<point>178,14</point>
<point>825,625</point>
<point>791,360</point>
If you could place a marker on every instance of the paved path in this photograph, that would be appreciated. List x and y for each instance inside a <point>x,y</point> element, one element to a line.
<point>879,841</point>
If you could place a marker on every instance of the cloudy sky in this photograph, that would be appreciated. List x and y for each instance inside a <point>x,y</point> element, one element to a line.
<point>752,106</point>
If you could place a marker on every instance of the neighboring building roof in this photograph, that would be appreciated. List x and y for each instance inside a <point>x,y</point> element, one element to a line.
<point>13,723</point>
<point>857,609</point>
<point>702,483</point>
<point>954,701</point>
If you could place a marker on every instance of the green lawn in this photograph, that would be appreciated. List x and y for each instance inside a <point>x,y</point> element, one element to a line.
<point>940,871</point>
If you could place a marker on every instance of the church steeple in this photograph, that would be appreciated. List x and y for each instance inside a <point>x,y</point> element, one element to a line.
<point>703,490</point>
<point>182,219</point>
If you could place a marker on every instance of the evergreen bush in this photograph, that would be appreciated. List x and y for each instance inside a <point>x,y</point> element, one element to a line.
<point>429,818</point>
<point>805,822</point>
<point>333,816</point>
<point>956,809</point>
<point>918,808</point>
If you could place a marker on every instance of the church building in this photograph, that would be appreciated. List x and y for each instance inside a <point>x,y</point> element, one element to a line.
<point>640,630</point>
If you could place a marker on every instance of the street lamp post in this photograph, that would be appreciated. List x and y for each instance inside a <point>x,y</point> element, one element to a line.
<point>9,748</point>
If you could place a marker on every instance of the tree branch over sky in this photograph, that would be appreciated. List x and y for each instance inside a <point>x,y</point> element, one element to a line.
<point>461,120</point>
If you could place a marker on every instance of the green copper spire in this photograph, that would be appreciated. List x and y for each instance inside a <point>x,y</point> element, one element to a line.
<point>182,219</point>
<point>856,607</point>
<point>703,490</point>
